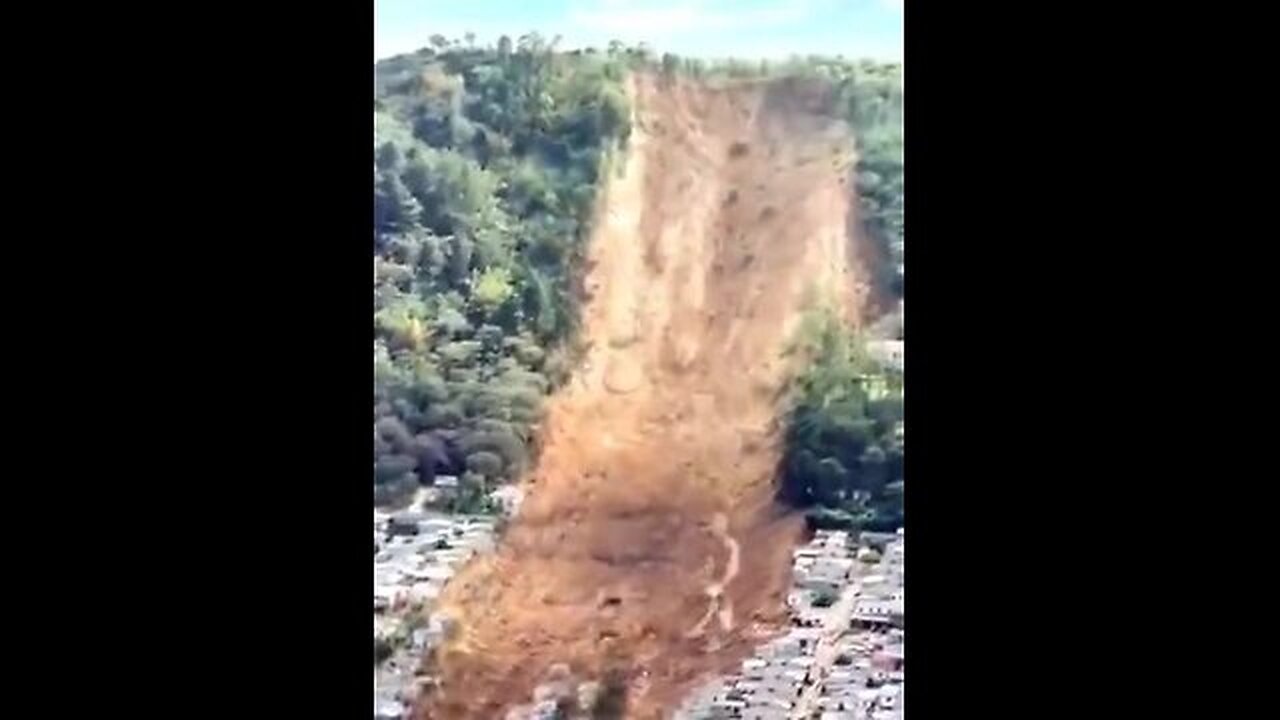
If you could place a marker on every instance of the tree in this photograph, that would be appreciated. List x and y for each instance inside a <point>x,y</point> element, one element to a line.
<point>472,495</point>
<point>670,64</point>
<point>442,416</point>
<point>432,455</point>
<point>388,157</point>
<point>841,447</point>
<point>485,463</point>
<point>392,431</point>
<point>394,208</point>
<point>614,114</point>
<point>392,467</point>
<point>400,323</point>
<point>382,650</point>
<point>611,703</point>
<point>485,172</point>
<point>874,470</point>
<point>491,288</point>
<point>498,437</point>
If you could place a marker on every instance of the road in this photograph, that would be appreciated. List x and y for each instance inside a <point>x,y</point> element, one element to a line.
<point>824,656</point>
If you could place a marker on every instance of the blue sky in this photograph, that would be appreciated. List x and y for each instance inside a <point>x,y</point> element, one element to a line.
<point>707,28</point>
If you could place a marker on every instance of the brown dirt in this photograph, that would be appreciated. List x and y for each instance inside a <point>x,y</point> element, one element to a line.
<point>705,251</point>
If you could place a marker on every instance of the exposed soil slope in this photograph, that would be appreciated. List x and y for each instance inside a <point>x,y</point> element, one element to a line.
<point>659,457</point>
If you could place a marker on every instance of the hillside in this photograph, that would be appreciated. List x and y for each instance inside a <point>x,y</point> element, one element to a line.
<point>487,162</point>
<point>644,241</point>
<point>731,213</point>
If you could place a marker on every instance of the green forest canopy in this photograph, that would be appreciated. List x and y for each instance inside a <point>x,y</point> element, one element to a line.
<point>844,444</point>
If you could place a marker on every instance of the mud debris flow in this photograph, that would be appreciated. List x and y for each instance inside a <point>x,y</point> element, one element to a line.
<point>654,486</point>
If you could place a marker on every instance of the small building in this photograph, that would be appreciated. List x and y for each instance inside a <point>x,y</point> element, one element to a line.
<point>796,676</point>
<point>877,540</point>
<point>545,710</point>
<point>873,612</point>
<point>819,584</point>
<point>384,593</point>
<point>803,662</point>
<point>477,541</point>
<point>437,525</point>
<point>419,639</point>
<point>875,584</point>
<point>831,537</point>
<point>808,618</point>
<point>765,713</point>
<point>835,566</point>
<point>440,627</point>
<point>732,707</point>
<point>508,497</point>
<point>890,658</point>
<point>423,592</point>
<point>404,524</point>
<point>888,352</point>
<point>386,709</point>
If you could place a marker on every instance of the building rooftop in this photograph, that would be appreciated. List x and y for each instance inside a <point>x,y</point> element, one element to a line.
<point>387,709</point>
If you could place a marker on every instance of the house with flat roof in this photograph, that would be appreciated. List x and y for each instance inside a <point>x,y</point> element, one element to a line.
<point>872,612</point>
<point>876,540</point>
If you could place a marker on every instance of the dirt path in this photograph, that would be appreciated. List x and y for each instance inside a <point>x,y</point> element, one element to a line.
<point>731,213</point>
<point>717,604</point>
